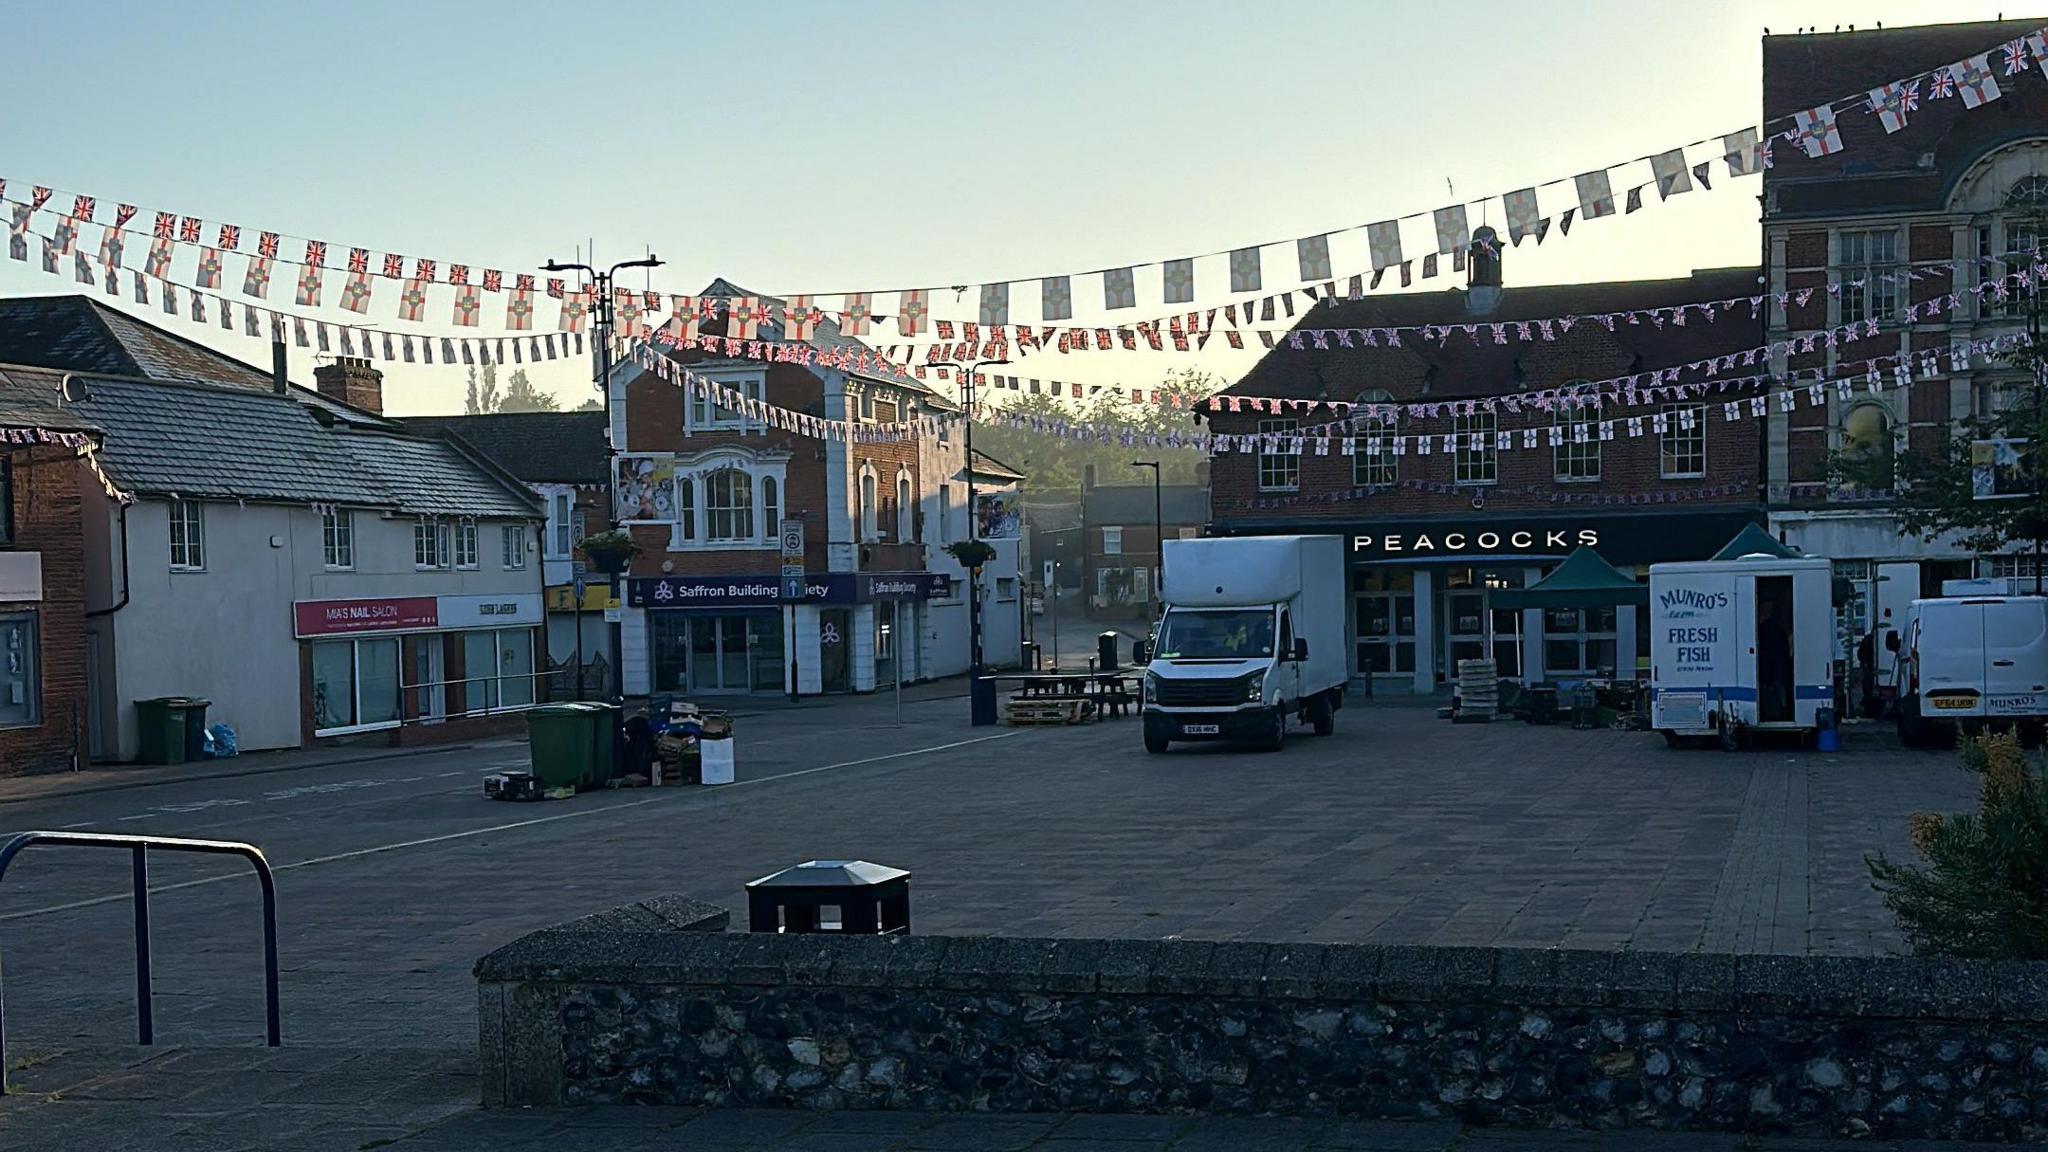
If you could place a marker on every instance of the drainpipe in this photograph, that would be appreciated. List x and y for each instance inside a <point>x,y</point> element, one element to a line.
<point>95,613</point>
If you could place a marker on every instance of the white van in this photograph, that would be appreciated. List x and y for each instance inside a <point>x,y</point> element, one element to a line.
<point>1972,660</point>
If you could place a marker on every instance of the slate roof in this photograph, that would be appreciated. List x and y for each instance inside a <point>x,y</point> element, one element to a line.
<point>535,447</point>
<point>77,333</point>
<point>987,465</point>
<point>1132,504</point>
<point>225,443</point>
<point>1878,171</point>
<point>1462,367</point>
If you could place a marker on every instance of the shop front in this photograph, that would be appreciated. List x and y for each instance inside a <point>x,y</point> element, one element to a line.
<point>1424,591</point>
<point>728,635</point>
<point>373,665</point>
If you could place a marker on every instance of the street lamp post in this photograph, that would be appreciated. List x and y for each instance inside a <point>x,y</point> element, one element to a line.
<point>1158,535</point>
<point>601,321</point>
<point>973,524</point>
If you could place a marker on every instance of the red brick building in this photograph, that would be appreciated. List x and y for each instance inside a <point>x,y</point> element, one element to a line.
<point>1435,532</point>
<point>704,489</point>
<point>1895,223</point>
<point>43,711</point>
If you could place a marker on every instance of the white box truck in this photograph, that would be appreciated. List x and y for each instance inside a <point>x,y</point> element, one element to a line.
<point>1252,637</point>
<point>1736,644</point>
<point>1972,661</point>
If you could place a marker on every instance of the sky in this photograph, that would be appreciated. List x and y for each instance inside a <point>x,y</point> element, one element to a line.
<point>817,146</point>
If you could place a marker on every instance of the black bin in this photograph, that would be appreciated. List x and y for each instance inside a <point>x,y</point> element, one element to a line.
<point>981,701</point>
<point>195,728</point>
<point>848,897</point>
<point>1105,651</point>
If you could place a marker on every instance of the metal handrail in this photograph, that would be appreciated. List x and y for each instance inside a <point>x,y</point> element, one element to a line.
<point>139,846</point>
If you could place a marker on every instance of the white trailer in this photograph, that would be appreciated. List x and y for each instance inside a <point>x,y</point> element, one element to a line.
<point>1253,636</point>
<point>1740,644</point>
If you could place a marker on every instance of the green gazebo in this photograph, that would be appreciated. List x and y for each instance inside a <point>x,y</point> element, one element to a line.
<point>1752,540</point>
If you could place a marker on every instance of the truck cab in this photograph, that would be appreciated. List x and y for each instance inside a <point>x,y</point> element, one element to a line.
<point>1251,639</point>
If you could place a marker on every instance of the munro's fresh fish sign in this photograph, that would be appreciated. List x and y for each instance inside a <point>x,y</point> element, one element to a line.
<point>1695,626</point>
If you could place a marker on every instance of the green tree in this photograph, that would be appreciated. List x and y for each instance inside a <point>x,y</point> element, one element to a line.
<point>1983,888</point>
<point>1935,492</point>
<point>482,397</point>
<point>522,396</point>
<point>1052,462</point>
<point>591,405</point>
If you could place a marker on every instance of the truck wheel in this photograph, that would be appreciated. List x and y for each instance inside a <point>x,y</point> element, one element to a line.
<point>1672,739</point>
<point>1155,742</point>
<point>1321,715</point>
<point>1276,736</point>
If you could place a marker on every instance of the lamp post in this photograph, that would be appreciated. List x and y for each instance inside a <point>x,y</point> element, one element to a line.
<point>601,322</point>
<point>973,525</point>
<point>1158,535</point>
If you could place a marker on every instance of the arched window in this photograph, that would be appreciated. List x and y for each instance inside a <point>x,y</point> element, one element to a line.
<point>771,507</point>
<point>1373,462</point>
<point>1867,439</point>
<point>867,502</point>
<point>729,505</point>
<point>686,507</point>
<point>906,509</point>
<point>1577,454</point>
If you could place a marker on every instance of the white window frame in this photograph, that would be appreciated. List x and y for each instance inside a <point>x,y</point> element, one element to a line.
<point>1858,257</point>
<point>1279,470</point>
<point>691,531</point>
<point>338,539</point>
<point>1572,462</point>
<point>906,507</point>
<point>1474,467</point>
<point>561,525</point>
<point>1692,441</point>
<point>187,535</point>
<point>430,550</point>
<point>701,414</point>
<point>512,547</point>
<point>740,501</point>
<point>1112,539</point>
<point>867,497</point>
<point>1371,470</point>
<point>467,553</point>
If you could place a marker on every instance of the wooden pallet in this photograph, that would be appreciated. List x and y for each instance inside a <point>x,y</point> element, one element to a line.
<point>1043,711</point>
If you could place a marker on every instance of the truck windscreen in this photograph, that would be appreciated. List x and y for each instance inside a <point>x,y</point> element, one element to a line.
<point>1232,634</point>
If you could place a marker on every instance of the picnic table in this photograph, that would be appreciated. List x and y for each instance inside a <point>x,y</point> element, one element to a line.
<point>1112,692</point>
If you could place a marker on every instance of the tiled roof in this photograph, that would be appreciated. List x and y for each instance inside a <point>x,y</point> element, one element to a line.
<point>34,404</point>
<point>987,465</point>
<point>536,447</point>
<point>213,442</point>
<point>80,334</point>
<point>1132,504</point>
<point>1878,171</point>
<point>1462,367</point>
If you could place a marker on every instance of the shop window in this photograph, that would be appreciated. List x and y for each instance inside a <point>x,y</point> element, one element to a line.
<point>21,674</point>
<point>338,538</point>
<point>1474,457</point>
<point>729,505</point>
<point>355,683</point>
<point>1112,539</point>
<point>906,509</point>
<point>1279,456</point>
<point>1578,642</point>
<point>188,536</point>
<point>1373,463</point>
<point>512,546</point>
<point>465,543</point>
<point>1867,270</point>
<point>6,501</point>
<point>1682,445</point>
<point>1385,609</point>
<point>1576,458</point>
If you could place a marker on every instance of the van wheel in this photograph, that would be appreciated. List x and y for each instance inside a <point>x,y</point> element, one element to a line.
<point>1321,715</point>
<point>2031,732</point>
<point>1156,742</point>
<point>1912,729</point>
<point>1276,736</point>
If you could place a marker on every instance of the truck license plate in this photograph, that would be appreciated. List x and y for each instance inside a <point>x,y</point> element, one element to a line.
<point>1951,703</point>
<point>1200,729</point>
<point>2020,705</point>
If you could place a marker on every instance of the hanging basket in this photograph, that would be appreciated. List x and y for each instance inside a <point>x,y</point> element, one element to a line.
<point>971,554</point>
<point>610,552</point>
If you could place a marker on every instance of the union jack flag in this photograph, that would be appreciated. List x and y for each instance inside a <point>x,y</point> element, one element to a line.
<point>458,274</point>
<point>494,280</point>
<point>82,206</point>
<point>230,237</point>
<point>316,253</point>
<point>166,225</point>
<point>359,259</point>
<point>38,196</point>
<point>1943,86</point>
<point>123,214</point>
<point>266,245</point>
<point>394,266</point>
<point>188,230</point>
<point>523,282</point>
<point>1893,101</point>
<point>555,287</point>
<point>2015,57</point>
<point>423,269</point>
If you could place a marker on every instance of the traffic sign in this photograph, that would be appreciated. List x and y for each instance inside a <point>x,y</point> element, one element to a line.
<point>793,540</point>
<point>793,582</point>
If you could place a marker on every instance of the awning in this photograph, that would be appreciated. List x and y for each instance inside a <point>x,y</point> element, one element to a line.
<point>1752,540</point>
<point>1584,580</point>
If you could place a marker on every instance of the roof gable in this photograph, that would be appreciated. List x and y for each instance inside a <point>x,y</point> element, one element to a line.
<point>78,333</point>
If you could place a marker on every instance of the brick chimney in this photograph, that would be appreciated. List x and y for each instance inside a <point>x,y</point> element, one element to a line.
<point>351,380</point>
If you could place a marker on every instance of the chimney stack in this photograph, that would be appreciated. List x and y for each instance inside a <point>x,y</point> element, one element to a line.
<point>280,369</point>
<point>1482,275</point>
<point>352,381</point>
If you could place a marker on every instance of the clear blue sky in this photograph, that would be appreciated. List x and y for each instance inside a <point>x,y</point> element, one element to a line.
<point>802,144</point>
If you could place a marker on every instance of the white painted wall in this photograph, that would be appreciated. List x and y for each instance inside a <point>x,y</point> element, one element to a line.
<point>226,633</point>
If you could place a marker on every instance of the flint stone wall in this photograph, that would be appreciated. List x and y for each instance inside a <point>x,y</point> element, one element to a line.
<point>1896,1047</point>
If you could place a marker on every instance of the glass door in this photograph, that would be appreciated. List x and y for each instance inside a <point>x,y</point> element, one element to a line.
<point>430,695</point>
